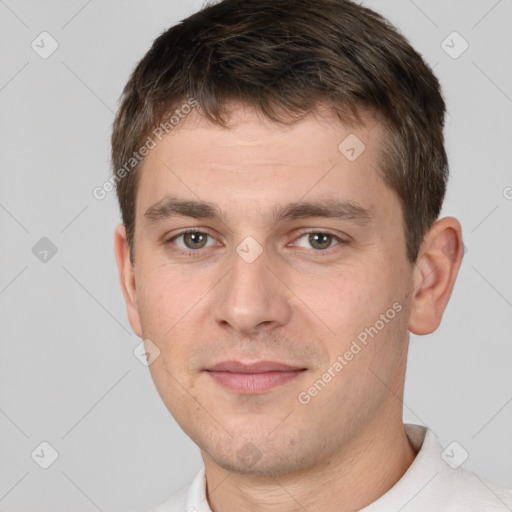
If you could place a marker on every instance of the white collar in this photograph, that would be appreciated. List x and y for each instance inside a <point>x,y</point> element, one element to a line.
<point>429,483</point>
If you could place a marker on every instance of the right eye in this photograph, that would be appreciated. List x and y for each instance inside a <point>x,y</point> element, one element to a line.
<point>191,241</point>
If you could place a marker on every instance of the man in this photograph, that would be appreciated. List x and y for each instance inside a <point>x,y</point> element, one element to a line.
<point>280,170</point>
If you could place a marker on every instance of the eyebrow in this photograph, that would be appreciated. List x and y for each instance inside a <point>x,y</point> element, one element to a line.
<point>171,206</point>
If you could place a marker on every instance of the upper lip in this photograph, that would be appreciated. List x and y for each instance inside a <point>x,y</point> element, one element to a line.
<point>255,367</point>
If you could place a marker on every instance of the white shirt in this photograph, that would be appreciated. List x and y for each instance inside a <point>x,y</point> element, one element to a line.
<point>429,485</point>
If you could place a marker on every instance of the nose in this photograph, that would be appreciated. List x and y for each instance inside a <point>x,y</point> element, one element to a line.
<point>251,298</point>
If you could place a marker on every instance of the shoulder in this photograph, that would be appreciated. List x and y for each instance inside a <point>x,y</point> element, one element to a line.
<point>435,482</point>
<point>473,493</point>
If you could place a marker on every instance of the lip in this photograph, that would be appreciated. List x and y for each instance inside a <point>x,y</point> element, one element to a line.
<point>252,378</point>
<point>254,367</point>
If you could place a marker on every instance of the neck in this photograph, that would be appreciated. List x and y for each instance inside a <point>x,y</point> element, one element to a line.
<point>376,460</point>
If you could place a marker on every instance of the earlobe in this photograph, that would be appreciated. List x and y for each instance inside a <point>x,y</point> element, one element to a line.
<point>127,278</point>
<point>435,273</point>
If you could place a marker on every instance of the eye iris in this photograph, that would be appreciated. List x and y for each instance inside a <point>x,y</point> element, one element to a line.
<point>320,240</point>
<point>194,240</point>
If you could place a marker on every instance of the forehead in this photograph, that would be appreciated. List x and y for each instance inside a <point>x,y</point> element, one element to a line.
<point>320,131</point>
<point>257,163</point>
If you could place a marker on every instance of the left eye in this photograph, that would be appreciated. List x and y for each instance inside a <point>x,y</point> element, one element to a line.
<point>318,240</point>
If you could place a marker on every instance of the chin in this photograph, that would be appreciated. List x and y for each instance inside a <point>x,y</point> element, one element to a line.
<point>263,457</point>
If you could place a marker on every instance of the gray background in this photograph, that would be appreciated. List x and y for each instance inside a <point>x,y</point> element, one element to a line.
<point>68,375</point>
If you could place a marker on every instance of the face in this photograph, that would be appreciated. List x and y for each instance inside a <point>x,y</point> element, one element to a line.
<point>271,275</point>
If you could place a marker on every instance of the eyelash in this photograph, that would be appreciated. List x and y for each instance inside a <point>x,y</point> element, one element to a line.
<point>192,252</point>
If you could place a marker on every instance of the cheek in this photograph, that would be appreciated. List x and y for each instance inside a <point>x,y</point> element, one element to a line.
<point>356,294</point>
<point>357,297</point>
<point>171,307</point>
<point>163,309</point>
<point>154,298</point>
<point>163,296</point>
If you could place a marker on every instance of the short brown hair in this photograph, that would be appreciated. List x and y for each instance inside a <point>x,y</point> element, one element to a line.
<point>285,58</point>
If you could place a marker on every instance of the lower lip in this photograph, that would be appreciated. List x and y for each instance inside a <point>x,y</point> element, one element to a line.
<point>254,382</point>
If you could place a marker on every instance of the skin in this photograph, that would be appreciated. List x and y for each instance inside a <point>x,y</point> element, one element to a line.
<point>297,303</point>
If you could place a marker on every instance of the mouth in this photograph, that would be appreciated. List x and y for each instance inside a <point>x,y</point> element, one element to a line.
<point>253,378</point>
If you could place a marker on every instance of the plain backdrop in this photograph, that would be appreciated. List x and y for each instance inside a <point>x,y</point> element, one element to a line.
<point>68,375</point>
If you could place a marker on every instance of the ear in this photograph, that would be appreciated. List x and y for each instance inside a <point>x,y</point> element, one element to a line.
<point>435,272</point>
<point>127,278</point>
